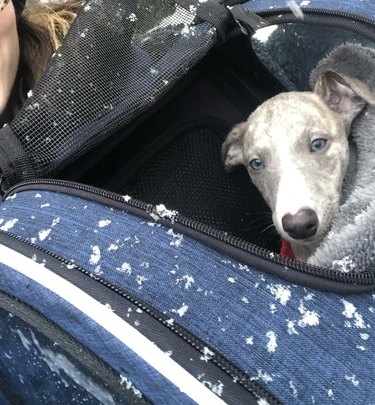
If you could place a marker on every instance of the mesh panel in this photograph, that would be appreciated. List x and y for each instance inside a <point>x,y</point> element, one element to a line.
<point>116,61</point>
<point>188,175</point>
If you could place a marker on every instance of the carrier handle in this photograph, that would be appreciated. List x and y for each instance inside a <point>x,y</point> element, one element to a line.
<point>211,11</point>
<point>247,19</point>
<point>220,16</point>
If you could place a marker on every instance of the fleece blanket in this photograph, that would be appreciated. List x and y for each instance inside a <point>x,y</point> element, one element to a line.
<point>350,244</point>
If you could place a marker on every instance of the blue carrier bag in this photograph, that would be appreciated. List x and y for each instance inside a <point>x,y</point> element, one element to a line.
<point>134,269</point>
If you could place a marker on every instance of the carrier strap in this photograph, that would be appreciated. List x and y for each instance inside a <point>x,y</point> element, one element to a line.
<point>211,11</point>
<point>220,15</point>
<point>247,19</point>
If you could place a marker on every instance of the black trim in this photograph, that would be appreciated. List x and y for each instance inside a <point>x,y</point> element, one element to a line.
<point>85,357</point>
<point>320,278</point>
<point>13,158</point>
<point>186,348</point>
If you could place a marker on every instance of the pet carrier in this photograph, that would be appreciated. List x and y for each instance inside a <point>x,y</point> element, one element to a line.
<point>134,269</point>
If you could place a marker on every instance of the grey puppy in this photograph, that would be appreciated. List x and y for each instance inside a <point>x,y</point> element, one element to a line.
<point>295,148</point>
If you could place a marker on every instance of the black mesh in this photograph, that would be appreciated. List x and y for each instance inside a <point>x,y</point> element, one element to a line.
<point>116,61</point>
<point>188,175</point>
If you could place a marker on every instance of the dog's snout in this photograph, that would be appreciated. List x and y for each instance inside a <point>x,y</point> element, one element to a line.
<point>301,225</point>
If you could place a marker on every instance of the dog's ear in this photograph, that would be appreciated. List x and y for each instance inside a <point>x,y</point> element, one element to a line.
<point>343,94</point>
<point>232,149</point>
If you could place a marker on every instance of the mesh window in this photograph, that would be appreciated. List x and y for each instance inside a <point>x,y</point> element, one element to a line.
<point>187,175</point>
<point>118,59</point>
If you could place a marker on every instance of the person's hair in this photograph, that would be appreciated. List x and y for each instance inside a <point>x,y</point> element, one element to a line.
<point>41,29</point>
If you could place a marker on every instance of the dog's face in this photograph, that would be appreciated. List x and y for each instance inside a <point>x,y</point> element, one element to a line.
<point>295,148</point>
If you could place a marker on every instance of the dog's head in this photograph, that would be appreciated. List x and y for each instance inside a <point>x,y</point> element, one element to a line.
<point>295,148</point>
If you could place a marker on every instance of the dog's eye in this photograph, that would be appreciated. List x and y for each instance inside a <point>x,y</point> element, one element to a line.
<point>318,144</point>
<point>256,164</point>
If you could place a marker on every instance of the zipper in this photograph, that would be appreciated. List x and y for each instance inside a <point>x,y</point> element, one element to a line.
<point>360,278</point>
<point>220,361</point>
<point>317,12</point>
<point>343,19</point>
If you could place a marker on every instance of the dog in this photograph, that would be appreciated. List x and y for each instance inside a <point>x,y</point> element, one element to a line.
<point>296,150</point>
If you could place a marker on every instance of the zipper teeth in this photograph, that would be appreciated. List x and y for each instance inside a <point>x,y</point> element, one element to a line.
<point>327,12</point>
<point>291,264</point>
<point>283,261</point>
<point>220,361</point>
<point>362,25</point>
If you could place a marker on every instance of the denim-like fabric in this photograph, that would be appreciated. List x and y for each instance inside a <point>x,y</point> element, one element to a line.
<point>364,8</point>
<point>38,371</point>
<point>32,365</point>
<point>304,345</point>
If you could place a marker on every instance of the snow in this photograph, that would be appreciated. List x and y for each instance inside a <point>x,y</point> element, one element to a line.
<point>309,318</point>
<point>292,328</point>
<point>186,280</point>
<point>280,292</point>
<point>272,344</point>
<point>125,268</point>
<point>250,340</point>
<point>95,256</point>
<point>177,238</point>
<point>264,376</point>
<point>207,354</point>
<point>350,312</point>
<point>43,234</point>
<point>132,17</point>
<point>181,311</point>
<point>9,224</point>
<point>60,365</point>
<point>345,264</point>
<point>352,379</point>
<point>104,222</point>
<point>129,386</point>
<point>55,222</point>
<point>163,212</point>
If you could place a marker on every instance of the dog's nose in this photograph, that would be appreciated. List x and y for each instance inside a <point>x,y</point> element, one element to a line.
<point>301,225</point>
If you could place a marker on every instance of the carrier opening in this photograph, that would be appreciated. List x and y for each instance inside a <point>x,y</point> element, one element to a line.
<point>171,154</point>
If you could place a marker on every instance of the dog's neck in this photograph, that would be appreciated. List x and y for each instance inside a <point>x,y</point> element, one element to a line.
<point>303,252</point>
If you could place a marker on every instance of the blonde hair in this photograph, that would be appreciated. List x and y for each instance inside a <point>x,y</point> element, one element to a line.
<point>41,30</point>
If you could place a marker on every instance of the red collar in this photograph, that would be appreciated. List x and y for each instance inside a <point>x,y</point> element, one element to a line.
<point>286,249</point>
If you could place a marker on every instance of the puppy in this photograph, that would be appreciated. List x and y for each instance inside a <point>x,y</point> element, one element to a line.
<point>295,148</point>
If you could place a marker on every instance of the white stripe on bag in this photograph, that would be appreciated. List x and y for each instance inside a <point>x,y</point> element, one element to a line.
<point>103,315</point>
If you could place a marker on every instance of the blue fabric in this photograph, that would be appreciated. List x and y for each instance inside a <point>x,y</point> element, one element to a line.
<point>139,375</point>
<point>363,8</point>
<point>35,368</point>
<point>304,345</point>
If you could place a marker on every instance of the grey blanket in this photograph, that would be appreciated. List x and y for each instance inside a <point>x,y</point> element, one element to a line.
<point>350,244</point>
